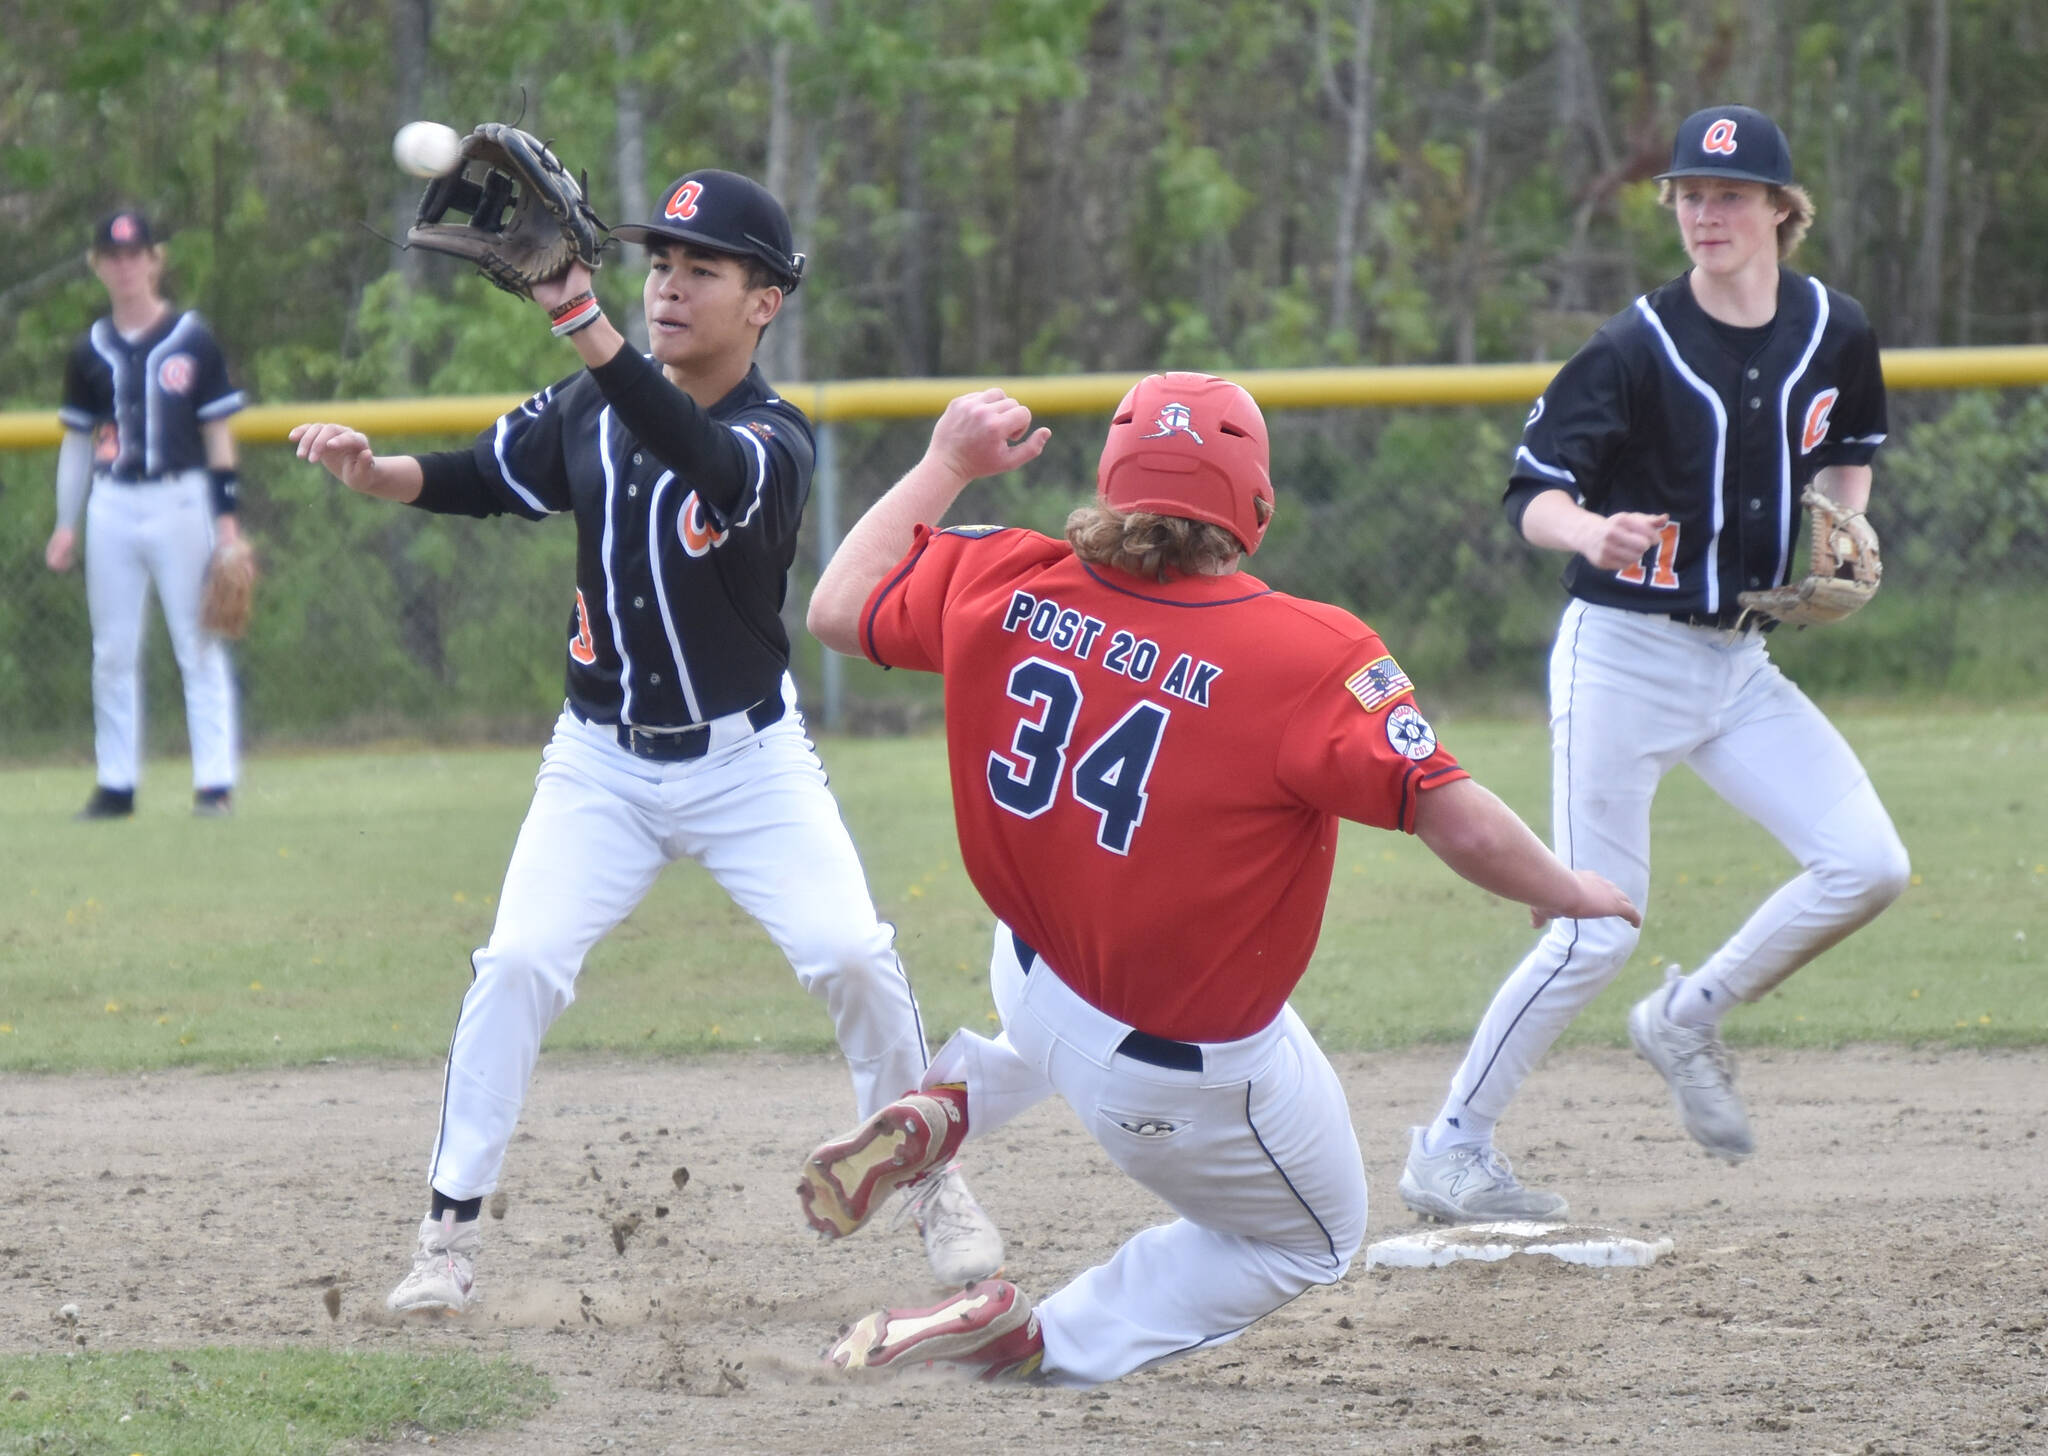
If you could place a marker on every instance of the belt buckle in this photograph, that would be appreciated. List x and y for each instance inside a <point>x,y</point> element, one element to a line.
<point>646,743</point>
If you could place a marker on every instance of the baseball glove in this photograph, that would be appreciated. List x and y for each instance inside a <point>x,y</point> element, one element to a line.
<point>1842,571</point>
<point>230,589</point>
<point>527,216</point>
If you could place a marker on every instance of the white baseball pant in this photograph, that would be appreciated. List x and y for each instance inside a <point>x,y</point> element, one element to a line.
<point>1633,695</point>
<point>1255,1152</point>
<point>136,534</point>
<point>756,812</point>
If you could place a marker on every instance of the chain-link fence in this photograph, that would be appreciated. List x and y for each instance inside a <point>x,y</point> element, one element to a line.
<point>376,621</point>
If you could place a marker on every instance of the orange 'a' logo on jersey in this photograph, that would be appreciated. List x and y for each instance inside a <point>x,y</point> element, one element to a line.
<point>581,647</point>
<point>1815,429</point>
<point>698,537</point>
<point>683,205</point>
<point>1720,138</point>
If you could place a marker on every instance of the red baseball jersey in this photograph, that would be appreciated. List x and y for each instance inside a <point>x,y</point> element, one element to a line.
<point>1147,777</point>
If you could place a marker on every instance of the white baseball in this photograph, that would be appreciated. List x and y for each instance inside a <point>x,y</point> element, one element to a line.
<point>427,148</point>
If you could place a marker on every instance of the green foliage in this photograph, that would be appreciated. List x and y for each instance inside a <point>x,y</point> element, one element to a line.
<point>362,882</point>
<point>289,1402</point>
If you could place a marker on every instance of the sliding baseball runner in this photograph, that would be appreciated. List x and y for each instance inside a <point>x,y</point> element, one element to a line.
<point>1150,752</point>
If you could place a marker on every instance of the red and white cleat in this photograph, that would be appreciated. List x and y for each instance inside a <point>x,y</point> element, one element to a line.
<point>848,1179</point>
<point>989,1330</point>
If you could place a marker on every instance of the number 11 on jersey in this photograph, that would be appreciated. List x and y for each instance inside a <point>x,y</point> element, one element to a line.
<point>1661,575</point>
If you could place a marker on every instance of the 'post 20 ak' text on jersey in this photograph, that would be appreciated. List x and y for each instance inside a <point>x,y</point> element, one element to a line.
<point>1147,777</point>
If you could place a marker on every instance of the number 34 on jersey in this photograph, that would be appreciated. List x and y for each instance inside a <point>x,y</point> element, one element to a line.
<point>1110,775</point>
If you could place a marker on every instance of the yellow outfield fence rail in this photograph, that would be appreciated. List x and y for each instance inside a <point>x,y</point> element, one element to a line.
<point>898,399</point>
<point>373,623</point>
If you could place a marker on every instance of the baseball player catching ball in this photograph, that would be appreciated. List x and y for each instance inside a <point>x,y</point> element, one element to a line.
<point>148,458</point>
<point>1150,752</point>
<point>1669,456</point>
<point>686,477</point>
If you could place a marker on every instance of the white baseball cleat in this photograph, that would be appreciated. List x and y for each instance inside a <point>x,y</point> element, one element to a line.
<point>960,1239</point>
<point>443,1276</point>
<point>1471,1183</point>
<point>1697,1068</point>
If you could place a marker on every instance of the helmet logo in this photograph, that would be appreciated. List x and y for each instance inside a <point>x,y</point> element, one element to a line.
<point>1720,138</point>
<point>1174,419</point>
<point>683,205</point>
<point>123,229</point>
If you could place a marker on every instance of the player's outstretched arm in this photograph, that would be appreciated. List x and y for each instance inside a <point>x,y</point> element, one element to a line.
<point>983,433</point>
<point>1556,522</point>
<point>347,455</point>
<point>1485,841</point>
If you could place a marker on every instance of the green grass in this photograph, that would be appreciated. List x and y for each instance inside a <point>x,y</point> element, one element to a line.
<point>225,1402</point>
<point>334,916</point>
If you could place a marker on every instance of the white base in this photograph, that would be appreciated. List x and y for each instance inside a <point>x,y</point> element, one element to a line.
<point>1489,1242</point>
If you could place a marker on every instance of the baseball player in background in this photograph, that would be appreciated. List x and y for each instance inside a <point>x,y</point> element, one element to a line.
<point>1150,752</point>
<point>1668,457</point>
<point>148,459</point>
<point>686,476</point>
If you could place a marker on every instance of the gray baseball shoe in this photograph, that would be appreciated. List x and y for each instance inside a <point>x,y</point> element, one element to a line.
<point>1697,1068</point>
<point>960,1240</point>
<point>443,1276</point>
<point>1471,1183</point>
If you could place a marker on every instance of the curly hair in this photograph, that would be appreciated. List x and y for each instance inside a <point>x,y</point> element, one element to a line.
<point>1145,544</point>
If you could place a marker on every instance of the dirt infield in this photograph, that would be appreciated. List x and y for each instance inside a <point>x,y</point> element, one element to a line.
<point>1873,1281</point>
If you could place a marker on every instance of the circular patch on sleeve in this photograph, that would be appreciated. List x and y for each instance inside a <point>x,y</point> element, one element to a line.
<point>1410,734</point>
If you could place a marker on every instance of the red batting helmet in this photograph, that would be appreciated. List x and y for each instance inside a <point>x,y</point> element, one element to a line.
<point>1189,445</point>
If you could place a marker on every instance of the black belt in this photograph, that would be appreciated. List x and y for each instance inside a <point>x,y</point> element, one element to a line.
<point>680,745</point>
<point>1139,1046</point>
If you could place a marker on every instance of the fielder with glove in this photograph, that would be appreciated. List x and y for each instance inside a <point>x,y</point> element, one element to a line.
<point>686,476</point>
<point>1670,456</point>
<point>148,460</point>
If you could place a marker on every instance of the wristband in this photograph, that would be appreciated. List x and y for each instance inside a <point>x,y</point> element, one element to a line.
<point>576,313</point>
<point>227,485</point>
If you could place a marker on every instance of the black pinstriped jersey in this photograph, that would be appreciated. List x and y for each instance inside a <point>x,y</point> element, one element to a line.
<point>682,551</point>
<point>151,394</point>
<point>1666,410</point>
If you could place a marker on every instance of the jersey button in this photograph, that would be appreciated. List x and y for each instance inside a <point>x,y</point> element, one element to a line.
<point>1753,581</point>
<point>1754,504</point>
<point>636,458</point>
<point>633,490</point>
<point>1752,375</point>
<point>1755,403</point>
<point>642,601</point>
<point>655,677</point>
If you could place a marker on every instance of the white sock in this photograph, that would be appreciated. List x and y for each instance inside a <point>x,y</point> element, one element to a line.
<point>1699,1001</point>
<point>1457,1125</point>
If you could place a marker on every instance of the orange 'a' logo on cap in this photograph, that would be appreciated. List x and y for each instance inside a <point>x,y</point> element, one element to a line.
<point>683,205</point>
<point>1816,428</point>
<point>1720,138</point>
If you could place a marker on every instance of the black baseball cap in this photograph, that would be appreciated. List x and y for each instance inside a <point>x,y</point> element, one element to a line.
<point>726,213</point>
<point>124,229</point>
<point>1737,142</point>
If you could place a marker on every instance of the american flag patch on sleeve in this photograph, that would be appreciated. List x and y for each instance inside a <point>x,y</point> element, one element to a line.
<point>1378,683</point>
